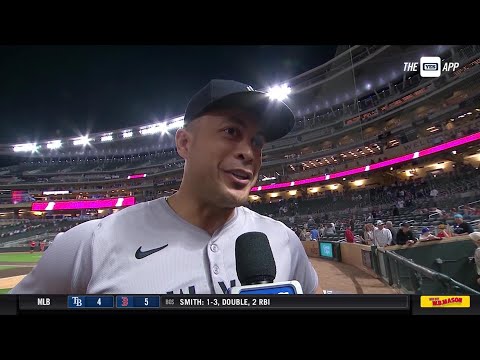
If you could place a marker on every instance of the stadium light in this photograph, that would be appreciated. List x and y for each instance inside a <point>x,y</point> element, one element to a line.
<point>127,134</point>
<point>54,144</point>
<point>154,129</point>
<point>279,92</point>
<point>56,192</point>
<point>176,123</point>
<point>107,137</point>
<point>358,182</point>
<point>83,140</point>
<point>26,147</point>
<point>163,128</point>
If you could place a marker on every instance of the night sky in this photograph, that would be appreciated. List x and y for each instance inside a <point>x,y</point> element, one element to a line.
<point>48,92</point>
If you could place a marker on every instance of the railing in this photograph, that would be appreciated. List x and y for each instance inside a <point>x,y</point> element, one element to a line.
<point>412,278</point>
<point>470,203</point>
<point>342,64</point>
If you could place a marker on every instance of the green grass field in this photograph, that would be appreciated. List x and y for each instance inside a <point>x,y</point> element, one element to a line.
<point>4,291</point>
<point>20,257</point>
<point>5,267</point>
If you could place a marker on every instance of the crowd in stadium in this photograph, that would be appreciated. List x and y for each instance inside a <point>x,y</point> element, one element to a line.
<point>19,232</point>
<point>430,198</point>
<point>422,208</point>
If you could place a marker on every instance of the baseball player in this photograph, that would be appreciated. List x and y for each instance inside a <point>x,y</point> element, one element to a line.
<point>185,243</point>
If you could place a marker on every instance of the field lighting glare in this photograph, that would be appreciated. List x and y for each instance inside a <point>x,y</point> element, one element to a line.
<point>83,140</point>
<point>25,148</point>
<point>127,134</point>
<point>55,144</point>
<point>279,92</point>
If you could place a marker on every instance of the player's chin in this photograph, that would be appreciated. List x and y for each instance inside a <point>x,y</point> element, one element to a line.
<point>236,197</point>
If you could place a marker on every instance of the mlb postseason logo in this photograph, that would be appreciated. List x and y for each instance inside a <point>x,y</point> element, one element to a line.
<point>430,66</point>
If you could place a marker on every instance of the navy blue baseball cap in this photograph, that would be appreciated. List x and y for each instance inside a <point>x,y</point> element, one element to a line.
<point>275,117</point>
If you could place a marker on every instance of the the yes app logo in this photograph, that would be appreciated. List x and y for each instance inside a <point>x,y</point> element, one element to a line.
<point>430,66</point>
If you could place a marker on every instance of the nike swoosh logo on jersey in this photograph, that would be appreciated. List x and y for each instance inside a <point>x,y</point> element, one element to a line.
<point>139,254</point>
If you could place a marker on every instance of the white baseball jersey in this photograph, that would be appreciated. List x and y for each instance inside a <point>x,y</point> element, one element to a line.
<point>148,248</point>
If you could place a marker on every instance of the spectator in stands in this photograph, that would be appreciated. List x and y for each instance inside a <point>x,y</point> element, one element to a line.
<point>308,236</point>
<point>321,230</point>
<point>303,234</point>
<point>461,227</point>
<point>475,236</point>
<point>32,246</point>
<point>405,235</point>
<point>396,212</point>
<point>442,231</point>
<point>427,235</point>
<point>393,231</point>
<point>330,230</point>
<point>310,220</point>
<point>349,235</point>
<point>434,193</point>
<point>314,233</point>
<point>367,237</point>
<point>382,236</point>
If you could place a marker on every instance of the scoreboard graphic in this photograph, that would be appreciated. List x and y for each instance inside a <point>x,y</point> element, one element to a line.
<point>350,303</point>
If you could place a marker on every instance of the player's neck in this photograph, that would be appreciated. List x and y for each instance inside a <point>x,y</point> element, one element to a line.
<point>199,214</point>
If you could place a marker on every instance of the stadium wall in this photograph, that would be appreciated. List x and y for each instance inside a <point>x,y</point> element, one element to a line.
<point>448,256</point>
<point>358,255</point>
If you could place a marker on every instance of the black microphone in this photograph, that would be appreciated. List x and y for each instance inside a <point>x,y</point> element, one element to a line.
<point>256,268</point>
<point>254,259</point>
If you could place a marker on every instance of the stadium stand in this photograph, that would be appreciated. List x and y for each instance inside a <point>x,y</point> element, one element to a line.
<point>356,126</point>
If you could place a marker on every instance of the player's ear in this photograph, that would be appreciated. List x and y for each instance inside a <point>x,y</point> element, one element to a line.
<point>183,140</point>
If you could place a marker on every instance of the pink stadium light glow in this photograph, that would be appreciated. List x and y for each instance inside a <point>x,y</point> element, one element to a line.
<point>83,204</point>
<point>347,173</point>
<point>308,181</point>
<point>393,161</point>
<point>450,144</point>
<point>382,164</point>
<point>136,176</point>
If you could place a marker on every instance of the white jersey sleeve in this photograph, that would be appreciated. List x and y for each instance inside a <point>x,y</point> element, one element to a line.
<point>303,270</point>
<point>65,267</point>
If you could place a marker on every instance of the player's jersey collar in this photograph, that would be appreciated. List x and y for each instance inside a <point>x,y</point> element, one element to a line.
<point>229,224</point>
